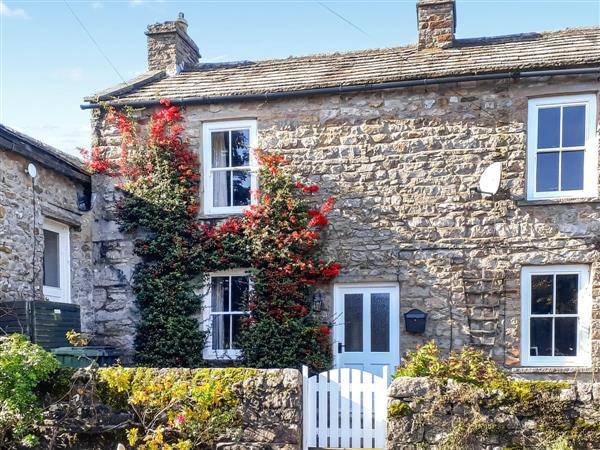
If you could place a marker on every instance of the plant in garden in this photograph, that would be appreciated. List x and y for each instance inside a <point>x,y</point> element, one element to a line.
<point>277,238</point>
<point>176,409</point>
<point>23,366</point>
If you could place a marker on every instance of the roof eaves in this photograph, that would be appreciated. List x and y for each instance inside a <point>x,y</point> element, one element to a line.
<point>46,155</point>
<point>127,87</point>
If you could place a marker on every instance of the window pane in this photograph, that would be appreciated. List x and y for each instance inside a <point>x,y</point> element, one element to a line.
<point>541,294</point>
<point>240,150</point>
<point>221,331</point>
<point>241,188</point>
<point>547,172</point>
<point>380,322</point>
<point>541,337</point>
<point>51,259</point>
<point>565,336</point>
<point>239,293</point>
<point>219,294</point>
<point>220,148</point>
<point>572,171</point>
<point>222,188</point>
<point>548,127</point>
<point>573,126</point>
<point>353,322</point>
<point>236,325</point>
<point>566,293</point>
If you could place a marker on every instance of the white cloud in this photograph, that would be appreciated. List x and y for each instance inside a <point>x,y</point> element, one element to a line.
<point>70,73</point>
<point>97,5</point>
<point>5,11</point>
<point>136,2</point>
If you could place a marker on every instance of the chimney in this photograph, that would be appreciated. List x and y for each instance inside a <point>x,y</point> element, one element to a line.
<point>169,46</point>
<point>437,23</point>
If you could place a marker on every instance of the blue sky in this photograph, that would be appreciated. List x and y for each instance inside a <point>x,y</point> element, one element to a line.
<point>48,63</point>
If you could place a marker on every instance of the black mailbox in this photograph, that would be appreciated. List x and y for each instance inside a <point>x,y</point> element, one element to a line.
<point>415,321</point>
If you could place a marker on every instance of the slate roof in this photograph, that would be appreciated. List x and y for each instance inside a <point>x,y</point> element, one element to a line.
<point>15,141</point>
<point>569,48</point>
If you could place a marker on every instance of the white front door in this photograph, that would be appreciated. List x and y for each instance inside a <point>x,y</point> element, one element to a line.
<point>367,326</point>
<point>56,263</point>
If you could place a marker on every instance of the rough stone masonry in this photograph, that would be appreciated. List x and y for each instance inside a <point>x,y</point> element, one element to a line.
<point>401,163</point>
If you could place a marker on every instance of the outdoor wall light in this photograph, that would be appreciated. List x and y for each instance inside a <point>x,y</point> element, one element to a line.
<point>317,305</point>
<point>415,320</point>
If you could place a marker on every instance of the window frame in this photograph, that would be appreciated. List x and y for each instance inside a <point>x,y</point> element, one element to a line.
<point>584,312</point>
<point>229,125</point>
<point>61,294</point>
<point>590,165</point>
<point>209,353</point>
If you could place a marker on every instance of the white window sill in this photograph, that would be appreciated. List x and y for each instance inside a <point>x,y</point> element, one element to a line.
<point>557,201</point>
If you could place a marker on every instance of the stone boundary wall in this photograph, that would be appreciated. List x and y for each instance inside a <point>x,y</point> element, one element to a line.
<point>270,403</point>
<point>426,414</point>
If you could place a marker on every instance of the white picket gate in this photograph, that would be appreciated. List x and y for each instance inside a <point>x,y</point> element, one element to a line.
<point>345,408</point>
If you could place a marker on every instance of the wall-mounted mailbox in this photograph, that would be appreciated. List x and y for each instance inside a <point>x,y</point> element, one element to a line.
<point>415,320</point>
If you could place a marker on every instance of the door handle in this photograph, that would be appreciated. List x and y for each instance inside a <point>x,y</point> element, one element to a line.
<point>340,347</point>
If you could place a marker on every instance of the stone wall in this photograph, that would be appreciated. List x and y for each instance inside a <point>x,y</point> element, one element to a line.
<point>23,208</point>
<point>270,407</point>
<point>451,415</point>
<point>402,164</point>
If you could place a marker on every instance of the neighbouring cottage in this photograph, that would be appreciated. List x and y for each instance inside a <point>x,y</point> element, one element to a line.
<point>400,137</point>
<point>45,240</point>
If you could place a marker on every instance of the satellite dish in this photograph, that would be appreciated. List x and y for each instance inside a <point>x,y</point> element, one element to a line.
<point>489,182</point>
<point>31,170</point>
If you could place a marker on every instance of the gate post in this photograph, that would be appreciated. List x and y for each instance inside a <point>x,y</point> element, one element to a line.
<point>304,407</point>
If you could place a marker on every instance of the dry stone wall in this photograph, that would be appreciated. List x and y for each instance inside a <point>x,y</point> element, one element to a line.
<point>23,208</point>
<point>269,403</point>
<point>451,415</point>
<point>402,164</point>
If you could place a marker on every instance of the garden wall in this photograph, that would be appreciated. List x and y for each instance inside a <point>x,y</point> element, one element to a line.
<point>424,413</point>
<point>223,409</point>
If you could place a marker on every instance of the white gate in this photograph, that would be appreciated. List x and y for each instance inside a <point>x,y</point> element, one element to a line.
<point>345,408</point>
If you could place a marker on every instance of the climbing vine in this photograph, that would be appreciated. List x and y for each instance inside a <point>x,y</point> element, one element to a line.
<point>277,238</point>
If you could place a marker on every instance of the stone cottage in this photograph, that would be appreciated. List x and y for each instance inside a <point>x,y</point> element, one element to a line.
<point>401,137</point>
<point>45,239</point>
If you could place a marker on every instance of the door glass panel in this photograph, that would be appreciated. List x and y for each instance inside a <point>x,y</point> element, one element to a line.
<point>541,294</point>
<point>380,322</point>
<point>353,322</point>
<point>51,259</point>
<point>565,336</point>
<point>541,337</point>
<point>566,293</point>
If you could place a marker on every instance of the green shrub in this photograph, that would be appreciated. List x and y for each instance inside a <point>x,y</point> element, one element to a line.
<point>178,409</point>
<point>23,366</point>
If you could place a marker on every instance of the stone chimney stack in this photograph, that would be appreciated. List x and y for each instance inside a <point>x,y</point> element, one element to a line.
<point>437,23</point>
<point>169,46</point>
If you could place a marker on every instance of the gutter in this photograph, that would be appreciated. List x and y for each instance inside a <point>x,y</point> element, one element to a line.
<point>266,97</point>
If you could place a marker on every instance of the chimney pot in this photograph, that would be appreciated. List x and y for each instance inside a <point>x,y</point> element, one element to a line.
<point>436,23</point>
<point>170,48</point>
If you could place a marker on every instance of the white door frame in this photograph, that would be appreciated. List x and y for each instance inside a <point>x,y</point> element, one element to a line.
<point>392,357</point>
<point>62,293</point>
